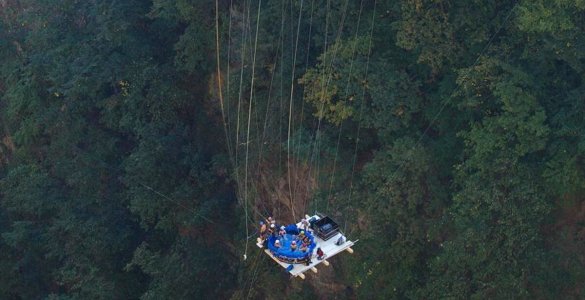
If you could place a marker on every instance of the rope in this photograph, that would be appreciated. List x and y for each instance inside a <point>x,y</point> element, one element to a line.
<point>303,101</point>
<point>323,86</point>
<point>334,166</point>
<point>249,120</point>
<point>314,151</point>
<point>290,111</point>
<point>270,87</point>
<point>357,140</point>
<point>174,201</point>
<point>326,80</point>
<point>279,51</point>
<point>221,94</point>
<point>228,85</point>
<point>255,267</point>
<point>165,197</point>
<point>280,109</point>
<point>219,82</point>
<point>353,58</point>
<point>240,92</point>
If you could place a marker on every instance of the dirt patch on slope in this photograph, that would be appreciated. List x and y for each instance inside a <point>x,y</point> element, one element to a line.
<point>285,195</point>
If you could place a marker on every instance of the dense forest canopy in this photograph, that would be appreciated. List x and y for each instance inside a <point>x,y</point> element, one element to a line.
<point>142,141</point>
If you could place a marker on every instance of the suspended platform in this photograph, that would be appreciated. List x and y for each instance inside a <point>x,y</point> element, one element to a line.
<point>325,234</point>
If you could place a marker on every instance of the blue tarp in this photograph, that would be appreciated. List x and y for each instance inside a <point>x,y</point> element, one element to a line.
<point>284,253</point>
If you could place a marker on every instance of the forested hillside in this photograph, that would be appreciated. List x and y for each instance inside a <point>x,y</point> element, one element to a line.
<point>142,141</point>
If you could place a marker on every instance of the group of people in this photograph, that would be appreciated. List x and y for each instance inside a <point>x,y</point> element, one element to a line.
<point>267,228</point>
<point>301,242</point>
<point>270,228</point>
<point>301,239</point>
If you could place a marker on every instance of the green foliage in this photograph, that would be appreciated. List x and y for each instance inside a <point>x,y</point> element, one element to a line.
<point>425,26</point>
<point>549,16</point>
<point>185,272</point>
<point>83,104</point>
<point>465,181</point>
<point>496,213</point>
<point>30,199</point>
<point>498,248</point>
<point>335,84</point>
<point>510,131</point>
<point>403,204</point>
